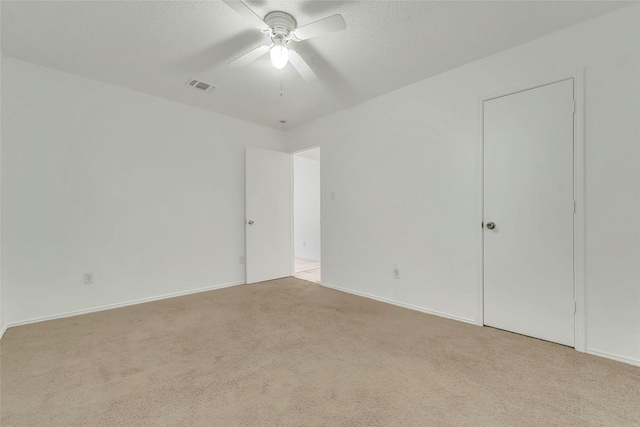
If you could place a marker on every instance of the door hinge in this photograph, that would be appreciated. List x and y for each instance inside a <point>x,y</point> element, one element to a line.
<point>573,106</point>
<point>575,307</point>
<point>574,207</point>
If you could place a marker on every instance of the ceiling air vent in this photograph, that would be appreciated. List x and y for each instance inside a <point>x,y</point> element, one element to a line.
<point>200,86</point>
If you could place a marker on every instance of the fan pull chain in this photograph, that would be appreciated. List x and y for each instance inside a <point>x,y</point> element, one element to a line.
<point>280,82</point>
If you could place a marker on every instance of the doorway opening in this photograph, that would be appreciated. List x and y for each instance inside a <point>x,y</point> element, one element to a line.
<point>306,215</point>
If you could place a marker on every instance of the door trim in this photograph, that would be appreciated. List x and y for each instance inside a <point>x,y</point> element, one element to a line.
<point>578,196</point>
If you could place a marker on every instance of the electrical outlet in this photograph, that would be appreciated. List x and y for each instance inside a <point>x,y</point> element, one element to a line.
<point>88,278</point>
<point>242,259</point>
<point>396,271</point>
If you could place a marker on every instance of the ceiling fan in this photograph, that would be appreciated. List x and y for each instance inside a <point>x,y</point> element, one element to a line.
<point>282,28</point>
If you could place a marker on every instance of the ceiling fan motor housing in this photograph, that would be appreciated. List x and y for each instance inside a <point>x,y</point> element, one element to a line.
<point>282,24</point>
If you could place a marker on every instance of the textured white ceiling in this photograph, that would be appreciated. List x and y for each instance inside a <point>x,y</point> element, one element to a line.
<point>156,46</point>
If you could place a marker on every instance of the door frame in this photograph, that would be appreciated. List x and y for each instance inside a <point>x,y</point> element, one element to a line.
<point>578,197</point>
<point>293,247</point>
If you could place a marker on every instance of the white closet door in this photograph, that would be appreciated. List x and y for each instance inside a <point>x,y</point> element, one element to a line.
<point>528,213</point>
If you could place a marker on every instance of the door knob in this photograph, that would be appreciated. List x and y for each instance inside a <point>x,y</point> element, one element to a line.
<point>250,222</point>
<point>491,225</point>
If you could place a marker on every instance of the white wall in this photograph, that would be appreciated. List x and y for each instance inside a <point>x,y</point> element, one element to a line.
<point>306,207</point>
<point>405,169</point>
<point>146,194</point>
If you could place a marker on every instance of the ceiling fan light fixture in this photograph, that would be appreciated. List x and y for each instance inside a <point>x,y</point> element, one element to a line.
<point>279,53</point>
<point>281,28</point>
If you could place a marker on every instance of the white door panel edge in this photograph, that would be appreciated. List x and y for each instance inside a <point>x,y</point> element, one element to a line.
<point>578,218</point>
<point>268,215</point>
<point>529,195</point>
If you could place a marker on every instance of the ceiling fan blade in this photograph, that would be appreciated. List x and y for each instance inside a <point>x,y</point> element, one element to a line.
<point>324,26</point>
<point>248,14</point>
<point>252,55</point>
<point>301,66</point>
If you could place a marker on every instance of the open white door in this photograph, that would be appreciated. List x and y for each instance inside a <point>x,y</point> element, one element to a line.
<point>268,215</point>
<point>528,213</point>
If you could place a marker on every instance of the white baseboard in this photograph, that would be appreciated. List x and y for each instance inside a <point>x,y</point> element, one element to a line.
<point>615,357</point>
<point>118,305</point>
<point>599,353</point>
<point>3,330</point>
<point>401,304</point>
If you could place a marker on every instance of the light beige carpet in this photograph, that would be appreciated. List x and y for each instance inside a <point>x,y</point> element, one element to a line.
<point>291,353</point>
